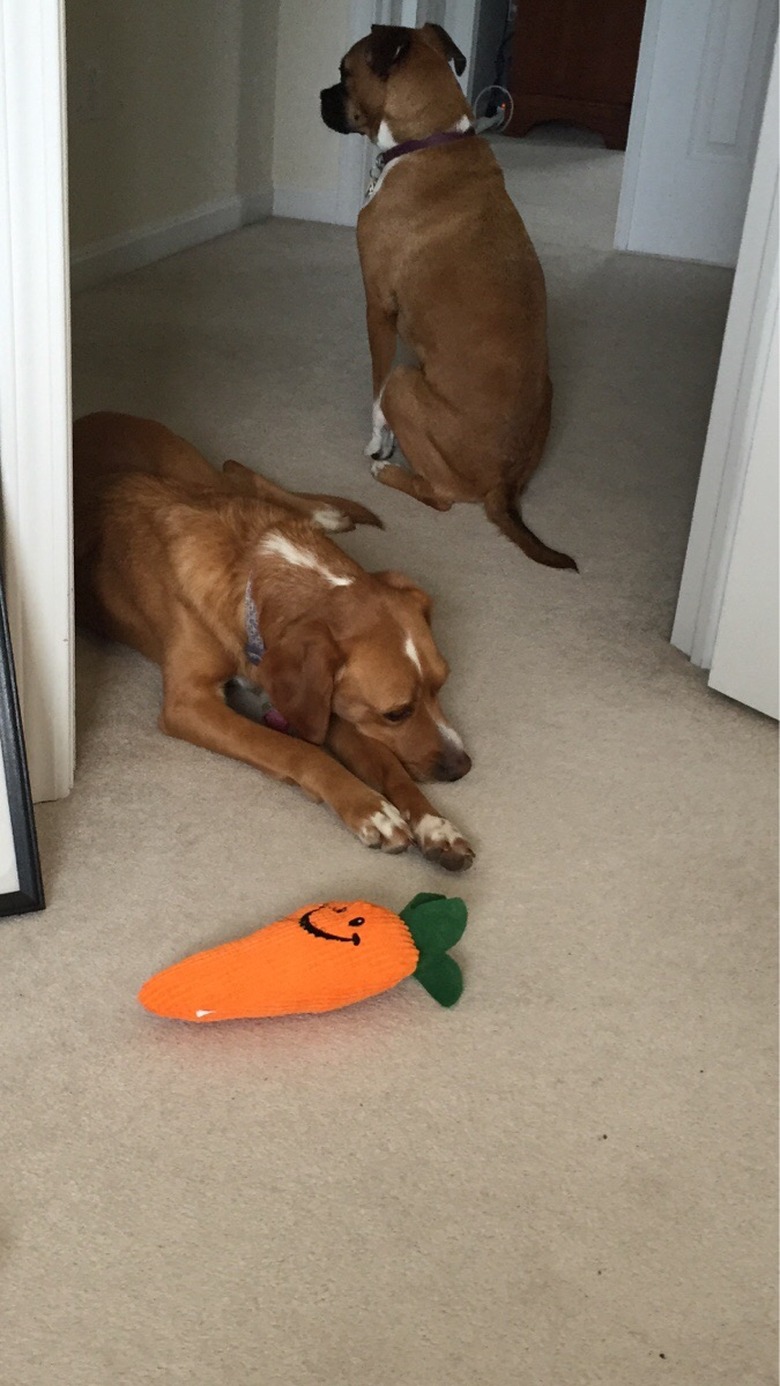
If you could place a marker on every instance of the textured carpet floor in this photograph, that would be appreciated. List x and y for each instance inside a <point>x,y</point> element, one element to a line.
<point>570,1178</point>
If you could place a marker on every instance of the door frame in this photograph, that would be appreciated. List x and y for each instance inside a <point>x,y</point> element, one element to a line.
<point>35,404</point>
<point>746,345</point>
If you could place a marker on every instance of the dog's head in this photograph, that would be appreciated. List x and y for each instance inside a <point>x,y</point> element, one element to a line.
<point>397,82</point>
<point>369,657</point>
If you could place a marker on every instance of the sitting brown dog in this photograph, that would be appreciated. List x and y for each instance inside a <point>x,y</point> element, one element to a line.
<point>225,576</point>
<point>448,266</point>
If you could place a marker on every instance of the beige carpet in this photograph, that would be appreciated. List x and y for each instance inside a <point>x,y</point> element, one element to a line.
<point>569,1178</point>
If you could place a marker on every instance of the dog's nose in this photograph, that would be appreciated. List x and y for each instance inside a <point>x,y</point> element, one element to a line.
<point>452,765</point>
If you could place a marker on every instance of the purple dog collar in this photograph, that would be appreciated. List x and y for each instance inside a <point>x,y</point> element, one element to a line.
<point>430,142</point>
<point>254,651</point>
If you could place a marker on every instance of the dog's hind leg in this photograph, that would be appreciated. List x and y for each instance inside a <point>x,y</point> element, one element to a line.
<point>391,474</point>
<point>411,409</point>
<point>382,341</point>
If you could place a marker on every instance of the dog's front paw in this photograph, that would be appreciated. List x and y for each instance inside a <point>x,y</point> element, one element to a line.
<point>383,827</point>
<point>440,841</point>
<point>381,444</point>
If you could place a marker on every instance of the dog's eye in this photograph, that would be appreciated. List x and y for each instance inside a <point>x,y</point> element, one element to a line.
<point>399,714</point>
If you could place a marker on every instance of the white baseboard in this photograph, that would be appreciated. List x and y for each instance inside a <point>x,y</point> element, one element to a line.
<point>104,260</point>
<point>307,204</point>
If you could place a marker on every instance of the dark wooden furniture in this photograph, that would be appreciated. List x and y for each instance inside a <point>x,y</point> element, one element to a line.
<point>575,61</point>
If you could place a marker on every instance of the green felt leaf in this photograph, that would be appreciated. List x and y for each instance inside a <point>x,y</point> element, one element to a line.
<point>436,923</point>
<point>420,899</point>
<point>441,977</point>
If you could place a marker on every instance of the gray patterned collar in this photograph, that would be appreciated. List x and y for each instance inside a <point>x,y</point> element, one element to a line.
<point>254,648</point>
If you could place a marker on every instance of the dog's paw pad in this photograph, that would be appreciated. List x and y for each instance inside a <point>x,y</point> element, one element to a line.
<point>440,841</point>
<point>385,829</point>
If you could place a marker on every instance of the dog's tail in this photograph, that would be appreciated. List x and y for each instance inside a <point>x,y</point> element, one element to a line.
<point>502,509</point>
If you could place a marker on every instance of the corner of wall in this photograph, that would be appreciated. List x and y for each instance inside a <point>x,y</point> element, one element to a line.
<point>156,170</point>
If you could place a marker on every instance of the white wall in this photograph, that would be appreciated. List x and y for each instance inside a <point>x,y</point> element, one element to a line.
<point>188,118</point>
<point>312,41</point>
<point>170,109</point>
<point>317,174</point>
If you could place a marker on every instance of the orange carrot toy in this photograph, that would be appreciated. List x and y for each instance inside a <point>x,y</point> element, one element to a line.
<point>320,959</point>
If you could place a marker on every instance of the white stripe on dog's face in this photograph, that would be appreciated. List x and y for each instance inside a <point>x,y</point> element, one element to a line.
<point>449,733</point>
<point>410,650</point>
<point>284,548</point>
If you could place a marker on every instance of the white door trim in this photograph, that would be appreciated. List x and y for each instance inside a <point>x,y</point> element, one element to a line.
<point>35,472</point>
<point>461,25</point>
<point>637,124</point>
<point>355,154</point>
<point>746,345</point>
<point>746,655</point>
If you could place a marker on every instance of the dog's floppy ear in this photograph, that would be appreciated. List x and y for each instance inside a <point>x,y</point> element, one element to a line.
<point>387,47</point>
<point>298,672</point>
<point>401,583</point>
<point>241,478</point>
<point>439,39</point>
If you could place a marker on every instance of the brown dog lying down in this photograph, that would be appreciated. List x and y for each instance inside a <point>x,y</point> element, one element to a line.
<point>449,268</point>
<point>225,576</point>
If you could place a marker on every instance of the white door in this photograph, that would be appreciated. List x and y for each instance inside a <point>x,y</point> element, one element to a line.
<point>745,658</point>
<point>35,383</point>
<point>700,89</point>
<point>727,613</point>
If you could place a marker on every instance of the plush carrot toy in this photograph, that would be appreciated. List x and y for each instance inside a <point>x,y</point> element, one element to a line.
<point>319,959</point>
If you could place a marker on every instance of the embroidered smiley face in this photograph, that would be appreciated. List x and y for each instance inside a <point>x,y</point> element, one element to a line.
<point>323,913</point>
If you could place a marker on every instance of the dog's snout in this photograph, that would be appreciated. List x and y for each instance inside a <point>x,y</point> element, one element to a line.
<point>332,110</point>
<point>452,765</point>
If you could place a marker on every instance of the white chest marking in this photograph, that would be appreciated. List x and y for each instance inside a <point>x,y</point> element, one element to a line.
<point>385,139</point>
<point>284,548</point>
